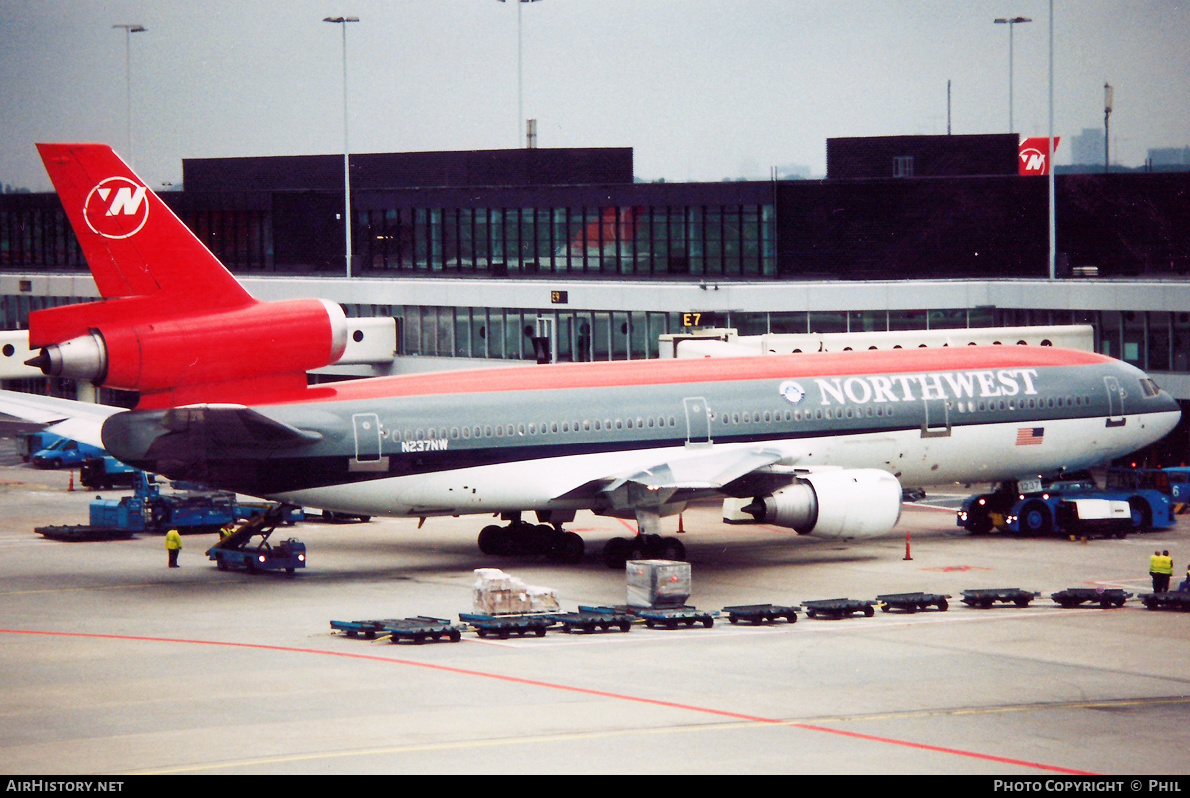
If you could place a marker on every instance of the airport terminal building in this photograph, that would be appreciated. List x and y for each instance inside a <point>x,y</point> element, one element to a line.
<point>474,254</point>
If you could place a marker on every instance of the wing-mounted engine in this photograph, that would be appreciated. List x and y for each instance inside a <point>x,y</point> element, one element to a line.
<point>250,352</point>
<point>848,503</point>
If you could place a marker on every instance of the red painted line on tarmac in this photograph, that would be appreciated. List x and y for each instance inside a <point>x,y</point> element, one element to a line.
<point>568,688</point>
<point>627,525</point>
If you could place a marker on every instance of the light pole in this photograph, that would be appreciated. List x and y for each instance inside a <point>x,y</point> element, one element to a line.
<point>346,145</point>
<point>520,105</point>
<point>1108,96</point>
<point>129,29</point>
<point>1010,22</point>
<point>1049,157</point>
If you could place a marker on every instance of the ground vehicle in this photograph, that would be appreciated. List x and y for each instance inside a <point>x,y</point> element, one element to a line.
<point>237,550</point>
<point>150,510</point>
<point>65,453</point>
<point>1173,482</point>
<point>30,443</point>
<point>105,473</point>
<point>1047,506</point>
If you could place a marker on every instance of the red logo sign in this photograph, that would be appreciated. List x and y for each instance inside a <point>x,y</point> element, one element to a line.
<point>117,208</point>
<point>1032,155</point>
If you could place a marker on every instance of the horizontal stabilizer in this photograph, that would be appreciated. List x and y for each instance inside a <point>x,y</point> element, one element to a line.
<point>179,432</point>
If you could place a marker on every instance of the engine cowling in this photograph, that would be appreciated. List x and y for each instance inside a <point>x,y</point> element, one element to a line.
<point>184,353</point>
<point>848,503</point>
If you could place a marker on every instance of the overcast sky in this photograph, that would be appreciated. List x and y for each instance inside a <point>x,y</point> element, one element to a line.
<point>701,89</point>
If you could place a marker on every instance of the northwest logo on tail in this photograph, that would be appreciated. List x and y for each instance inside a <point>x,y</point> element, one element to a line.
<point>117,208</point>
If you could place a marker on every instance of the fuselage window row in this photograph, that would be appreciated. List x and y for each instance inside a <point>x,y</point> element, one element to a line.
<point>524,430</point>
<point>728,419</point>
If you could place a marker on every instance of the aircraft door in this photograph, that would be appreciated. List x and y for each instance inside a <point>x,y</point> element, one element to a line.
<point>1115,402</point>
<point>936,423</point>
<point>698,420</point>
<point>367,437</point>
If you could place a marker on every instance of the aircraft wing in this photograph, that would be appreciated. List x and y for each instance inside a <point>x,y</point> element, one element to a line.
<point>80,421</point>
<point>685,478</point>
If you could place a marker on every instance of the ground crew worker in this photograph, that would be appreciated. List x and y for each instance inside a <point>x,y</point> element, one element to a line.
<point>1185,586</point>
<point>1161,569</point>
<point>173,545</point>
<point>227,530</point>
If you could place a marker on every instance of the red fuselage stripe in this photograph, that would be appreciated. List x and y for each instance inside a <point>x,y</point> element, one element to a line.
<point>673,372</point>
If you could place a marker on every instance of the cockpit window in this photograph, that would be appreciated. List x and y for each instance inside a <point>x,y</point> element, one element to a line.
<point>1149,388</point>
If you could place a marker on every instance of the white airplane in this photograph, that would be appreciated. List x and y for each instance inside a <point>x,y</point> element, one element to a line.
<point>822,443</point>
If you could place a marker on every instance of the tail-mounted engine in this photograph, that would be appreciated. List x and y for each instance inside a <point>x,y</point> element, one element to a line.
<point>261,349</point>
<point>849,503</point>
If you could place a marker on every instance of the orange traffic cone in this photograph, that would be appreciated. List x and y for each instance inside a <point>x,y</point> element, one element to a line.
<point>908,556</point>
<point>70,487</point>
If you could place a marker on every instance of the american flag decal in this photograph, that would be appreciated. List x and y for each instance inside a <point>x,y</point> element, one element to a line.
<point>1030,436</point>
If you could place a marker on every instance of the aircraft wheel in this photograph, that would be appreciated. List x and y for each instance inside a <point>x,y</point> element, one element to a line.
<point>615,552</point>
<point>571,548</point>
<point>491,540</point>
<point>673,549</point>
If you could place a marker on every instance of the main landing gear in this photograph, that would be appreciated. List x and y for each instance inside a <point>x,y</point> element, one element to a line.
<point>523,538</point>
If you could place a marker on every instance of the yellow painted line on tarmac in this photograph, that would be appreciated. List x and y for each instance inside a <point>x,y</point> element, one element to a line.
<point>461,745</point>
<point>75,589</point>
<point>473,745</point>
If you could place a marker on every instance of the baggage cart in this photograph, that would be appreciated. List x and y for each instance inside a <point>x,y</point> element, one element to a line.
<point>1104,597</point>
<point>594,619</point>
<point>505,626</point>
<point>760,613</point>
<point>416,630</point>
<point>838,608</point>
<point>83,532</point>
<point>912,602</point>
<point>984,598</point>
<point>673,617</point>
<point>1170,600</point>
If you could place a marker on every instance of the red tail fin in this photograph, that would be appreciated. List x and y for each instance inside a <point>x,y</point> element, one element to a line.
<point>132,241</point>
<point>174,324</point>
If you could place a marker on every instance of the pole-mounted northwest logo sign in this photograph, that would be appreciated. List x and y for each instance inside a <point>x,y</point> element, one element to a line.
<point>117,208</point>
<point>1032,155</point>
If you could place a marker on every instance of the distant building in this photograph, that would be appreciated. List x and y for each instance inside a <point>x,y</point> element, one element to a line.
<point>1087,147</point>
<point>475,255</point>
<point>921,156</point>
<point>1169,159</point>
